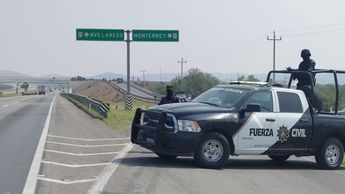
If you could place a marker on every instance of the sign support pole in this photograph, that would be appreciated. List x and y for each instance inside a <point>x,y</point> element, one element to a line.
<point>128,61</point>
<point>129,99</point>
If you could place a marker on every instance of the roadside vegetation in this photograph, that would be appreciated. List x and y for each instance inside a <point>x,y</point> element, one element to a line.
<point>328,94</point>
<point>195,83</point>
<point>120,119</point>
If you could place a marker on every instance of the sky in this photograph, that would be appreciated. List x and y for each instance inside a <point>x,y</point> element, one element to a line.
<point>38,37</point>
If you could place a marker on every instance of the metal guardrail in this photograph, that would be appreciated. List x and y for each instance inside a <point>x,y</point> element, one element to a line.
<point>98,106</point>
<point>146,91</point>
<point>140,98</point>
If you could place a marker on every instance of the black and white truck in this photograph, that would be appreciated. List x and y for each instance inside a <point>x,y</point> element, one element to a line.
<point>241,119</point>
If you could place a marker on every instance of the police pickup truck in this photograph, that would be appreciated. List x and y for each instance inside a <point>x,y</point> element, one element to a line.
<point>239,119</point>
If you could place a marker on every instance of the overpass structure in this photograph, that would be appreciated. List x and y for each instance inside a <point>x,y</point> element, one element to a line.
<point>35,80</point>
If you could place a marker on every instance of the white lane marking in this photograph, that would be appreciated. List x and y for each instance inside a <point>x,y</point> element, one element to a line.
<point>16,102</point>
<point>89,139</point>
<point>80,154</point>
<point>31,180</point>
<point>67,182</point>
<point>86,146</point>
<point>6,105</point>
<point>104,176</point>
<point>74,165</point>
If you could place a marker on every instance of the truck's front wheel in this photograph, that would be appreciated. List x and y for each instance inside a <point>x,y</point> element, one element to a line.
<point>330,155</point>
<point>213,151</point>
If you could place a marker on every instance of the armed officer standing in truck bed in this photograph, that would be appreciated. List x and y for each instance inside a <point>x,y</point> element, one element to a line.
<point>304,82</point>
<point>306,65</point>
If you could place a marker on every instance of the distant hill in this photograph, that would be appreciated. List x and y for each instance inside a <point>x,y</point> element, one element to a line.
<point>53,75</point>
<point>5,87</point>
<point>108,75</point>
<point>11,74</point>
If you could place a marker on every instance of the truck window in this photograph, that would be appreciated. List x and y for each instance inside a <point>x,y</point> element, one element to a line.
<point>289,102</point>
<point>262,98</point>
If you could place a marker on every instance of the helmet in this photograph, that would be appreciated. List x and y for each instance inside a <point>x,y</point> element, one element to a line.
<point>305,53</point>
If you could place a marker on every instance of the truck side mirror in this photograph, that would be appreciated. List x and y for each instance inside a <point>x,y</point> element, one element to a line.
<point>250,108</point>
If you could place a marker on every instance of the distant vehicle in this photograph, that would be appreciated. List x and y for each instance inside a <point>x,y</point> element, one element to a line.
<point>119,80</point>
<point>41,90</point>
<point>182,97</point>
<point>342,112</point>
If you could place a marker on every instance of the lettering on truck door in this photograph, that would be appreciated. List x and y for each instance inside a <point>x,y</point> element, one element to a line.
<point>258,133</point>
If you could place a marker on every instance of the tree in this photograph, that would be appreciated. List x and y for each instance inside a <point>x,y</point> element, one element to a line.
<point>78,78</point>
<point>195,82</point>
<point>251,78</point>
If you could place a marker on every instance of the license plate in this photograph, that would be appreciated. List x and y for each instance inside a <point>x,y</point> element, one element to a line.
<point>150,140</point>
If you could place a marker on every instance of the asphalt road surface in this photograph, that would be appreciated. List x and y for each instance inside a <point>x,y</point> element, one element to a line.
<point>21,123</point>
<point>82,155</point>
<point>134,91</point>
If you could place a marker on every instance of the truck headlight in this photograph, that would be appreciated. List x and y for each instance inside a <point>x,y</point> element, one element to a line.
<point>143,120</point>
<point>188,126</point>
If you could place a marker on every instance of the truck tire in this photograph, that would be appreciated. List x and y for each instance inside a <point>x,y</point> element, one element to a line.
<point>166,157</point>
<point>279,158</point>
<point>213,151</point>
<point>330,155</point>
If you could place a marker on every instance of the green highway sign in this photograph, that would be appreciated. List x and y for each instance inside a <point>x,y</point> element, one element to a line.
<point>155,35</point>
<point>100,34</point>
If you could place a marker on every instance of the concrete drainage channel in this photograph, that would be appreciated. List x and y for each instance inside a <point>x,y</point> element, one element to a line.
<point>83,165</point>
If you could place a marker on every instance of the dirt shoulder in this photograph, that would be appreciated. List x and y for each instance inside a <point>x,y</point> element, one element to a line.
<point>98,90</point>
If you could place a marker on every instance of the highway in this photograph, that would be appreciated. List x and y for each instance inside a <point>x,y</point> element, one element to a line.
<point>21,123</point>
<point>134,91</point>
<point>82,154</point>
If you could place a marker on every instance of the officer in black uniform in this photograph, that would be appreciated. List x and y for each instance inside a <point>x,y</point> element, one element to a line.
<point>304,82</point>
<point>169,98</point>
<point>306,65</point>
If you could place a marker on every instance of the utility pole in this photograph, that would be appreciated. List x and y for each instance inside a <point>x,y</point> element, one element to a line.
<point>144,70</point>
<point>182,66</point>
<point>160,74</point>
<point>274,51</point>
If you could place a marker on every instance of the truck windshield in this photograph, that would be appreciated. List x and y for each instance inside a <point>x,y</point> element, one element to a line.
<point>225,96</point>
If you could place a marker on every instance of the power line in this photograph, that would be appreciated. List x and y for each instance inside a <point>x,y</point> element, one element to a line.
<point>318,33</point>
<point>274,39</point>
<point>312,27</point>
<point>230,54</point>
<point>232,49</point>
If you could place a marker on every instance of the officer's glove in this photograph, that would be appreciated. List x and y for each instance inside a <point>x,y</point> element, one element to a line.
<point>289,68</point>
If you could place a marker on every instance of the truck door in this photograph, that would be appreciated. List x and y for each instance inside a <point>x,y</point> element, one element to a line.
<point>294,123</point>
<point>257,133</point>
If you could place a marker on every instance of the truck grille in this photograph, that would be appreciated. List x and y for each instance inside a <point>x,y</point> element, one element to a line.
<point>151,119</point>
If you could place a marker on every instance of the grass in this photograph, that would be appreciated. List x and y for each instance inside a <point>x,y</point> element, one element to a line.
<point>120,119</point>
